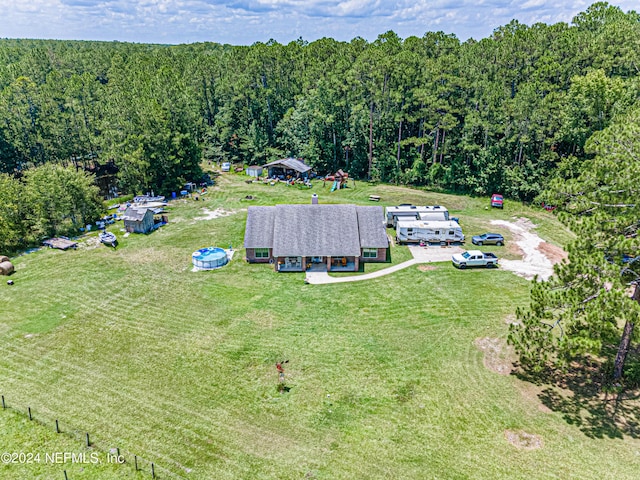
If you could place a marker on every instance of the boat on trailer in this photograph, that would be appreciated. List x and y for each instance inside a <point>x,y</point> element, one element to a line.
<point>108,238</point>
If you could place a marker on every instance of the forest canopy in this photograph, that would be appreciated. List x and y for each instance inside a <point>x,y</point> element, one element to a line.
<point>508,113</point>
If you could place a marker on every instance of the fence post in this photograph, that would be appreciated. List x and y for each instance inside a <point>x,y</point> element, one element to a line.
<point>135,459</point>
<point>65,475</point>
<point>30,417</point>
<point>3,405</point>
<point>153,471</point>
<point>88,442</point>
<point>57,427</point>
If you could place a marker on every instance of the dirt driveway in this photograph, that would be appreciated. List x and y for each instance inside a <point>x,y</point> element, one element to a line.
<point>539,257</point>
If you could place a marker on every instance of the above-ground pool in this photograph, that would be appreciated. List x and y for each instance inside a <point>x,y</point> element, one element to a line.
<point>209,258</point>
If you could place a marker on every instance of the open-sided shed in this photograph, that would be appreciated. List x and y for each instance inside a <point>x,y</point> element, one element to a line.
<point>287,167</point>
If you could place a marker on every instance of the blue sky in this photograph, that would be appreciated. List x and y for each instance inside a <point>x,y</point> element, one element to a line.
<point>243,22</point>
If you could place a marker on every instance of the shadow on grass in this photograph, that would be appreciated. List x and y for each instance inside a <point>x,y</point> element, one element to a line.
<point>582,397</point>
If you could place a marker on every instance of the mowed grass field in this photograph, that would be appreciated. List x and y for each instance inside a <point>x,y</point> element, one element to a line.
<point>179,366</point>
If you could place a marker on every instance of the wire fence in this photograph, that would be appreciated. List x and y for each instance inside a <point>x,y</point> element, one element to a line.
<point>112,453</point>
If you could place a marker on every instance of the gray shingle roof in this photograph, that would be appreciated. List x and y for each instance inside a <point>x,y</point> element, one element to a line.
<point>290,163</point>
<point>315,230</point>
<point>135,214</point>
<point>259,232</point>
<point>371,227</point>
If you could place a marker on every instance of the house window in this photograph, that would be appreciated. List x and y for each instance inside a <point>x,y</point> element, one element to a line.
<point>450,232</point>
<point>369,252</point>
<point>437,232</point>
<point>261,253</point>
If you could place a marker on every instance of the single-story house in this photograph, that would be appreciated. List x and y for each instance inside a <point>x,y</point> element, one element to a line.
<point>287,167</point>
<point>295,238</point>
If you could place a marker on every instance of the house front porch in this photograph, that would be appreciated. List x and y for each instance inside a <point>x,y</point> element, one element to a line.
<point>289,264</point>
<point>317,264</point>
<point>342,264</point>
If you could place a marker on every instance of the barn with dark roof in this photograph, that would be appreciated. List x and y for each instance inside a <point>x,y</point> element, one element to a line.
<point>332,237</point>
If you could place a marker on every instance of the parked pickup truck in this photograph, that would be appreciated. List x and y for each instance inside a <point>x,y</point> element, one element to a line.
<point>474,258</point>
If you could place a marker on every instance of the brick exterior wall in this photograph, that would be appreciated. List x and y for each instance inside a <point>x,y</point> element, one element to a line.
<point>251,256</point>
<point>381,257</point>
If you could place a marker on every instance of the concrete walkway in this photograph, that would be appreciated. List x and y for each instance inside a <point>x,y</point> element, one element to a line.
<point>317,278</point>
<point>420,255</point>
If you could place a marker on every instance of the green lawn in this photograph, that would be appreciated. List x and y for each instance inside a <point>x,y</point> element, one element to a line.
<point>178,367</point>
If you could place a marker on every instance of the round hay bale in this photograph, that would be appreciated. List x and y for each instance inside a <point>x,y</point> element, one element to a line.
<point>6,268</point>
<point>3,258</point>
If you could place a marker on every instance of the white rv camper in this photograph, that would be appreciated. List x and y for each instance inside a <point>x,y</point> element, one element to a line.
<point>438,231</point>
<point>436,215</point>
<point>413,212</point>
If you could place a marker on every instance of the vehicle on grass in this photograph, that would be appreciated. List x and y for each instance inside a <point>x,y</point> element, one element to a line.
<point>474,258</point>
<point>488,239</point>
<point>497,200</point>
<point>226,166</point>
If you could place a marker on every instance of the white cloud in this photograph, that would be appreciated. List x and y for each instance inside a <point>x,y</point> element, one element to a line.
<point>247,21</point>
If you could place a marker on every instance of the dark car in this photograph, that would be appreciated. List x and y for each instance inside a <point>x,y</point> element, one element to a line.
<point>497,200</point>
<point>488,239</point>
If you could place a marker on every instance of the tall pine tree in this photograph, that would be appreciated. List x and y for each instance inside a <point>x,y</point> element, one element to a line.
<point>591,306</point>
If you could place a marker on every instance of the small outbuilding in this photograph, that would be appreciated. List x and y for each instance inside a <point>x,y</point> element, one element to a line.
<point>288,168</point>
<point>138,220</point>
<point>254,171</point>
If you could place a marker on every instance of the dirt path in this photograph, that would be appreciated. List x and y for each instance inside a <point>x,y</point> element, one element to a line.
<point>539,257</point>
<point>217,213</point>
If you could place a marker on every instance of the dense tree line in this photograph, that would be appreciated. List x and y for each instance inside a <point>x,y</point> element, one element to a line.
<point>507,113</point>
<point>497,114</point>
